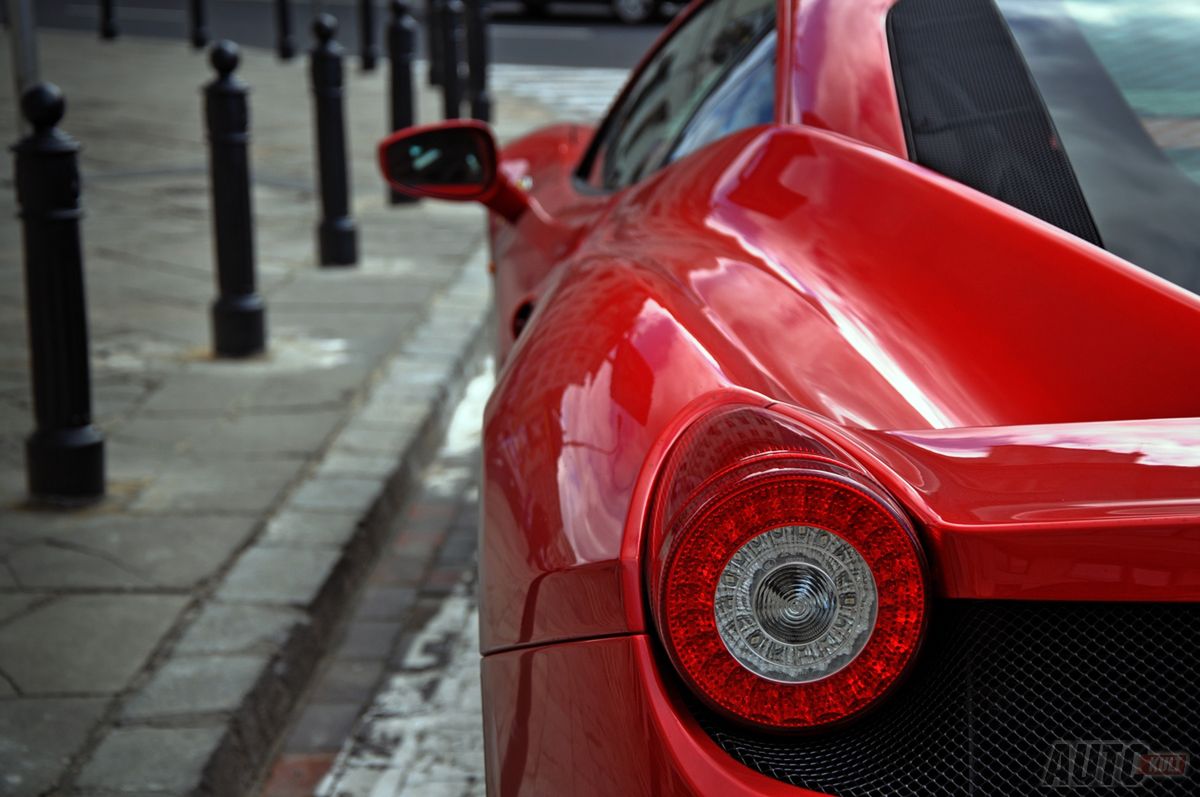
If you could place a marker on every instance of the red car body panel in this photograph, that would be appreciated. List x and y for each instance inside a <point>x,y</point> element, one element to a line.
<point>1081,511</point>
<point>973,359</point>
<point>889,281</point>
<point>839,74</point>
<point>596,717</point>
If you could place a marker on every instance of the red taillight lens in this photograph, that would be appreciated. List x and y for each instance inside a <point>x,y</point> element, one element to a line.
<point>789,590</point>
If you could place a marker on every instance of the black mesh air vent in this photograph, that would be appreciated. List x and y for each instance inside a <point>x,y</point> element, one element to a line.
<point>996,687</point>
<point>973,113</point>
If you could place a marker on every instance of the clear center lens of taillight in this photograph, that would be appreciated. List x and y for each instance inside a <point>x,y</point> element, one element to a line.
<point>795,604</point>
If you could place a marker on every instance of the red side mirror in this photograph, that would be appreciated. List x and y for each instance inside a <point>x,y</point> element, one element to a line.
<point>454,160</point>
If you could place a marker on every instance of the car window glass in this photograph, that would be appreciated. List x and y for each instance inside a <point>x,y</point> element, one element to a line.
<point>745,98</point>
<point>677,79</point>
<point>1121,80</point>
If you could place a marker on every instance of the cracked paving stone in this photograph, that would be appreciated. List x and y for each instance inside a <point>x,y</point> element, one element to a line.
<point>38,738</point>
<point>300,433</point>
<point>106,551</point>
<point>200,393</point>
<point>13,605</point>
<point>45,565</point>
<point>85,644</point>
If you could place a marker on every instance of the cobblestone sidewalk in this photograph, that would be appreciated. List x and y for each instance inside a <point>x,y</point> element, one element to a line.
<point>155,644</point>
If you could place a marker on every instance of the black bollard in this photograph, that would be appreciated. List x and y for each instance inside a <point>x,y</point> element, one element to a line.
<point>108,19</point>
<point>64,457</point>
<point>402,41</point>
<point>337,237</point>
<point>477,60</point>
<point>369,52</point>
<point>199,20</point>
<point>238,313</point>
<point>433,38</point>
<point>285,46</point>
<point>452,14</point>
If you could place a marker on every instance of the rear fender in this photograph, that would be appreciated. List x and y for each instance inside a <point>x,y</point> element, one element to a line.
<point>605,375</point>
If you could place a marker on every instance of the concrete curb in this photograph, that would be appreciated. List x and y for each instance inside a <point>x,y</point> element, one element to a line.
<point>399,415</point>
<point>306,565</point>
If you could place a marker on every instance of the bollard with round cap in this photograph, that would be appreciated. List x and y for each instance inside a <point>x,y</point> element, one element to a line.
<point>238,312</point>
<point>64,456</point>
<point>337,236</point>
<point>402,44</point>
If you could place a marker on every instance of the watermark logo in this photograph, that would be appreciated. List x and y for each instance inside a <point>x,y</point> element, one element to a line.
<point>1095,764</point>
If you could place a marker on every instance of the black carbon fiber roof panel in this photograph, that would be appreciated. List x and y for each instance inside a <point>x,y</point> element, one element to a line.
<point>973,113</point>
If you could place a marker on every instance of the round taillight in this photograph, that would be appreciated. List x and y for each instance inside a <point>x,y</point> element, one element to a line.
<point>790,590</point>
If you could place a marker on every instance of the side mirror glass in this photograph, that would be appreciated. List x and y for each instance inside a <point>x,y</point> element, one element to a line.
<point>452,160</point>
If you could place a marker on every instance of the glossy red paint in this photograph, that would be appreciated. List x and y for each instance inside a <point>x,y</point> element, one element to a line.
<point>840,76</point>
<point>1080,511</point>
<point>596,718</point>
<point>543,163</point>
<point>1029,399</point>
<point>889,281</point>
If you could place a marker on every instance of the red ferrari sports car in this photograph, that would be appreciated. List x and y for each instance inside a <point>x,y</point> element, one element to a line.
<point>845,437</point>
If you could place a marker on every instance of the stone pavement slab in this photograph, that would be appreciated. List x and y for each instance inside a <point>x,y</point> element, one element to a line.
<point>84,644</point>
<point>156,643</point>
<point>38,738</point>
<point>111,551</point>
<point>144,760</point>
<point>196,685</point>
<point>239,628</point>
